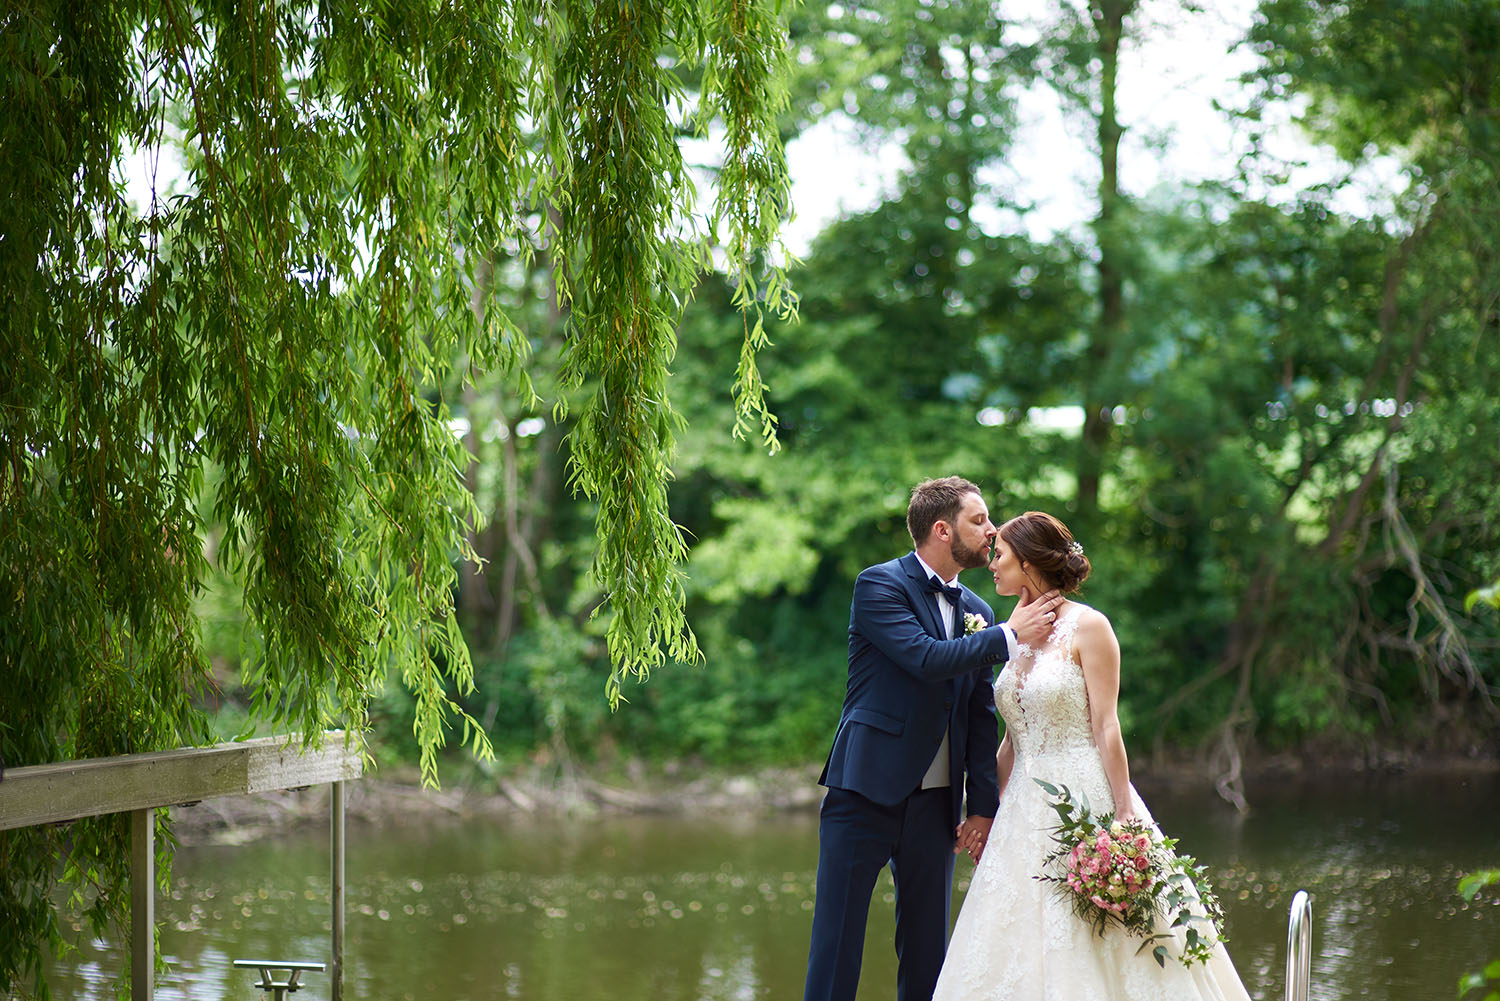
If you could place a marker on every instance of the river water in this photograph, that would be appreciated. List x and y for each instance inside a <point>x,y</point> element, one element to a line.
<point>694,908</point>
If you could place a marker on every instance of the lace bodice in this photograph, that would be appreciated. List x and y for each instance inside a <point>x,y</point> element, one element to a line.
<point>1042,697</point>
<point>1018,937</point>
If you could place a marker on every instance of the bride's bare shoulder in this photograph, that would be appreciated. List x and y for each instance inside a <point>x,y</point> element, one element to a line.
<point>1092,622</point>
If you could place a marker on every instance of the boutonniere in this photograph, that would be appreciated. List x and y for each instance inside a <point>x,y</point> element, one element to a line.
<point>973,622</point>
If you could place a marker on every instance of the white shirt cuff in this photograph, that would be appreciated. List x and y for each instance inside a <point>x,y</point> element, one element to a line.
<point>1012,645</point>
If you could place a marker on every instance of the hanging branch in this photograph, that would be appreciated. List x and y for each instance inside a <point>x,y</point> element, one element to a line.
<point>262,358</point>
<point>1443,651</point>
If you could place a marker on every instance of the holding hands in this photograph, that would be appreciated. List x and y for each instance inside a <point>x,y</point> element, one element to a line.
<point>972,835</point>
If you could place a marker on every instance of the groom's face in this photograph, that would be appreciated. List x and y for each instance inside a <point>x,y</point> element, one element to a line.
<point>972,533</point>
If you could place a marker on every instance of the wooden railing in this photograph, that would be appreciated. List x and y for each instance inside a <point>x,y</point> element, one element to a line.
<point>140,783</point>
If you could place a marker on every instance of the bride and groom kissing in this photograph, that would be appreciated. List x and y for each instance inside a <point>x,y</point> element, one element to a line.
<point>918,773</point>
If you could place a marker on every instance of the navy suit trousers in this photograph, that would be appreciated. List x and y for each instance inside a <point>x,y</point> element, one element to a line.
<point>857,837</point>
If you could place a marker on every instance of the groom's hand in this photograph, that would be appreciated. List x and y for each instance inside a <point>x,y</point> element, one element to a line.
<point>972,835</point>
<point>1032,618</point>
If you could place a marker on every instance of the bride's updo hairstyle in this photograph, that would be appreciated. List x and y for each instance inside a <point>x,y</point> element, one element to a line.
<point>1045,543</point>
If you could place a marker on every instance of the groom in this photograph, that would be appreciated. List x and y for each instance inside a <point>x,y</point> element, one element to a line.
<point>918,724</point>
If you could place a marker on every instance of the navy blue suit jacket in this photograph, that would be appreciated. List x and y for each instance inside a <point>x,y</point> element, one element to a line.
<point>906,683</point>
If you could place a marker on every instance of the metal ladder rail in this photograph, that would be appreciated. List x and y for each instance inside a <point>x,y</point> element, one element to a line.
<point>1299,947</point>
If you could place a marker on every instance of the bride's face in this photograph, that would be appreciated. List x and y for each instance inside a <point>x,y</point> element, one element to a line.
<point>1009,576</point>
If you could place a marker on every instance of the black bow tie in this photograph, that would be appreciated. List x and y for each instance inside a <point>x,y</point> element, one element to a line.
<point>954,594</point>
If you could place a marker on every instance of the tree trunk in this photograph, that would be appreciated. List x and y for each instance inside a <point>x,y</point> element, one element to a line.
<point>1109,22</point>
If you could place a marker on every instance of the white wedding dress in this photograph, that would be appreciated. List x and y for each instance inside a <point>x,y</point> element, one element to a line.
<point>1016,938</point>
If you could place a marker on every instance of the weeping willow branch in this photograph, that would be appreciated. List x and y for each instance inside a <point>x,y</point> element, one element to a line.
<point>624,278</point>
<point>261,358</point>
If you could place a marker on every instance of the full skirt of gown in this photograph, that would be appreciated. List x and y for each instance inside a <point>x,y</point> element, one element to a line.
<point>1018,938</point>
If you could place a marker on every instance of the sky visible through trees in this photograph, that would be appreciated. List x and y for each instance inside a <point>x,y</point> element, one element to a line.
<point>1178,81</point>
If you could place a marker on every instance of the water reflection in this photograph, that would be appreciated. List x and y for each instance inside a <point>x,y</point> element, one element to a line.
<point>679,909</point>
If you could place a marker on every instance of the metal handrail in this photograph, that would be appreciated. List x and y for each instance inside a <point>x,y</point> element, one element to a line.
<point>279,989</point>
<point>1299,947</point>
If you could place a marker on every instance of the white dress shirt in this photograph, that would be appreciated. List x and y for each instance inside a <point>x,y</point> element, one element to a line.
<point>938,772</point>
<point>937,776</point>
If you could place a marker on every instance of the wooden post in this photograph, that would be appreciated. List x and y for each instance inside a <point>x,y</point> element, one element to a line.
<point>142,904</point>
<point>336,889</point>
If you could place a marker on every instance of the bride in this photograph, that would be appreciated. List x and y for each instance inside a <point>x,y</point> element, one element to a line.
<point>1017,937</point>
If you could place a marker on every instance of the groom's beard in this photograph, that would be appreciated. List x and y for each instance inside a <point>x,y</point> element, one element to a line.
<point>966,558</point>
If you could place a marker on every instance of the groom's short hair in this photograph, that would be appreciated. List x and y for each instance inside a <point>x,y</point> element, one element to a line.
<point>933,501</point>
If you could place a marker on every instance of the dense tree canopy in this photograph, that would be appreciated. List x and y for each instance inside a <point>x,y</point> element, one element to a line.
<point>1293,489</point>
<point>247,368</point>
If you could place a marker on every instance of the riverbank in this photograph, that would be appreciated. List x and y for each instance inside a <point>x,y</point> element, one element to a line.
<point>395,796</point>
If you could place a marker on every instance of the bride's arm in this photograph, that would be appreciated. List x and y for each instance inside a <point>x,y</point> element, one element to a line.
<point>1099,655</point>
<point>973,836</point>
<point>1005,760</point>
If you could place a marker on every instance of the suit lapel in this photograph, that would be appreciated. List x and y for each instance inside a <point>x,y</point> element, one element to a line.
<point>923,601</point>
<point>926,605</point>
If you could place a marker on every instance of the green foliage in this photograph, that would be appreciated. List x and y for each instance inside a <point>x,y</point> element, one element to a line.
<point>1381,423</point>
<point>1481,985</point>
<point>936,77</point>
<point>1300,445</point>
<point>249,374</point>
<point>1488,595</point>
<point>624,283</point>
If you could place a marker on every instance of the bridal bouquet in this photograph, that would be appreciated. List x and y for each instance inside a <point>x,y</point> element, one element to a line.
<point>1127,874</point>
